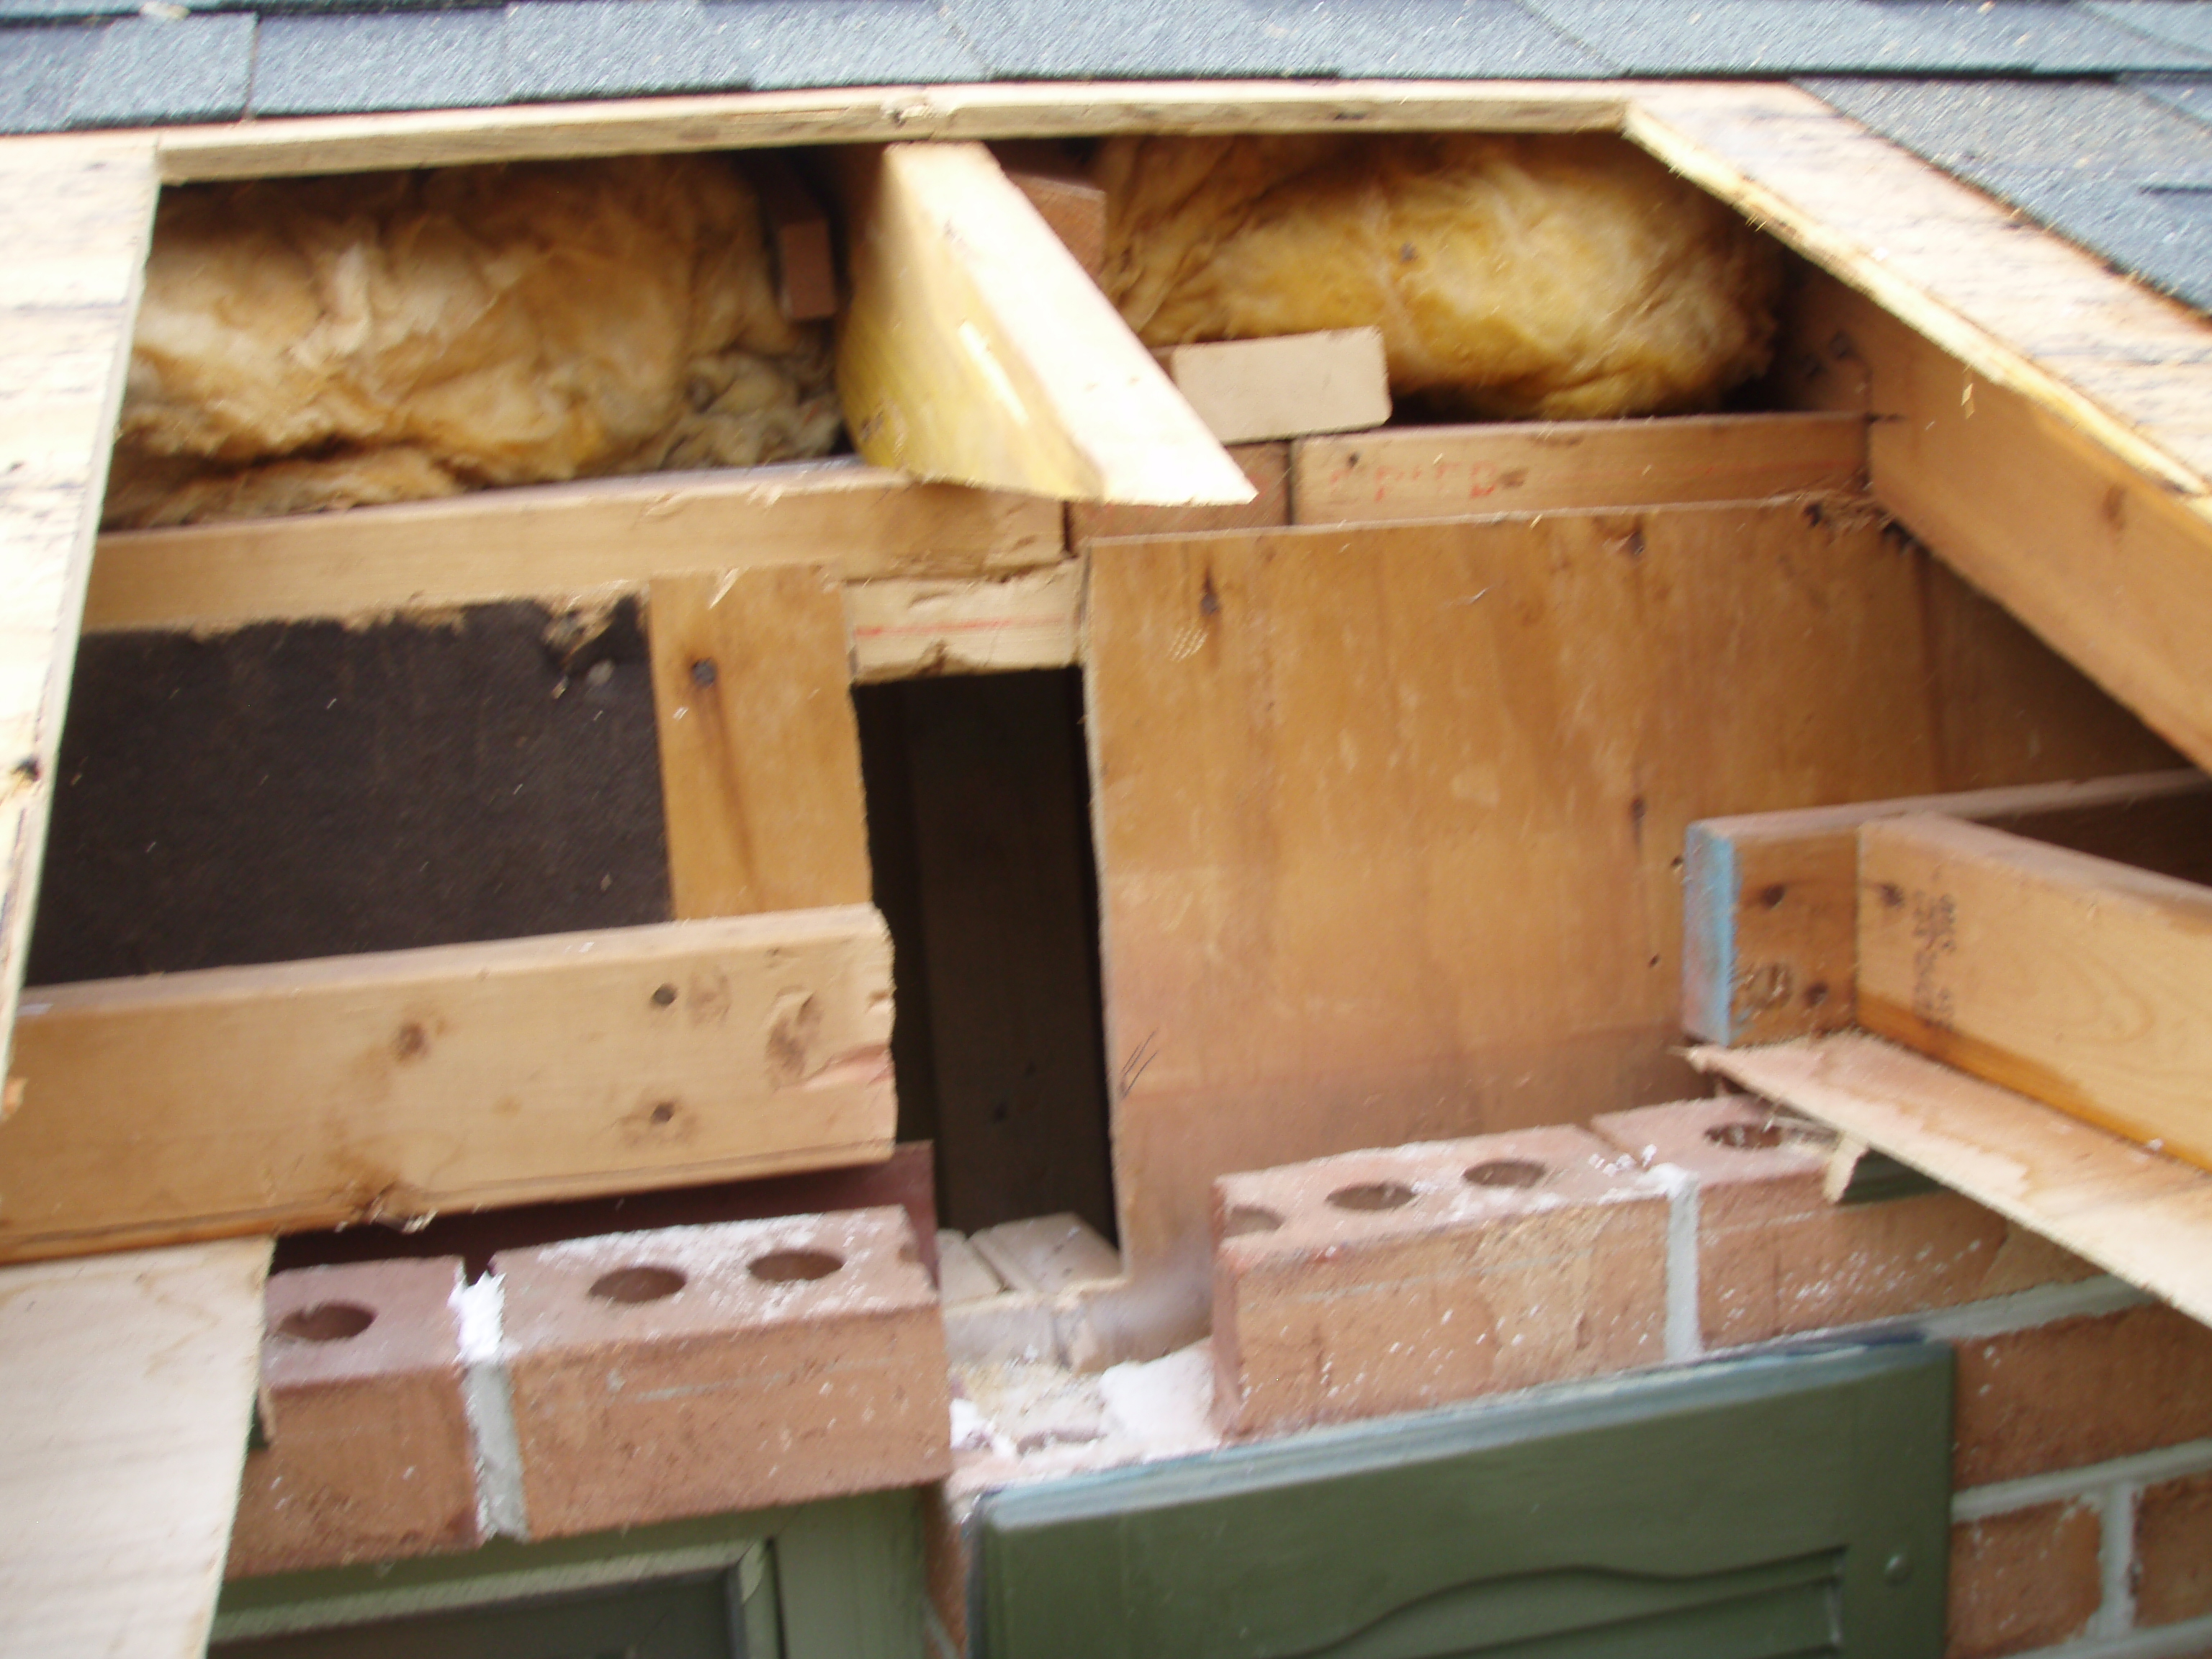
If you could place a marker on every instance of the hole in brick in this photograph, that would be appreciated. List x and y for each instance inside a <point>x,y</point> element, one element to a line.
<point>1373,1195</point>
<point>1508,1172</point>
<point>635,1285</point>
<point>1745,1137</point>
<point>326,1321</point>
<point>791,1266</point>
<point>1250,1218</point>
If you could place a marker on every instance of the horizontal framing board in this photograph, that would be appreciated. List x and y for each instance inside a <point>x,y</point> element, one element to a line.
<point>128,1384</point>
<point>902,629</point>
<point>1388,818</point>
<point>1441,472</point>
<point>2082,982</point>
<point>2144,1218</point>
<point>559,540</point>
<point>1770,909</point>
<point>975,349</point>
<point>314,1094</point>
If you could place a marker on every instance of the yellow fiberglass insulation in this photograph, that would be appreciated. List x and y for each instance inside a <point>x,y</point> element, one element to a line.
<point>1538,276</point>
<point>327,343</point>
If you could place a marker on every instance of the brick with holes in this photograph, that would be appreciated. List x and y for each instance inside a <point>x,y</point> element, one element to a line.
<point>1776,1256</point>
<point>1392,1281</point>
<point>694,1370</point>
<point>368,1455</point>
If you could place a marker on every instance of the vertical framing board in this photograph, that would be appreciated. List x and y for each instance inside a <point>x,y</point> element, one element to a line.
<point>316,1094</point>
<point>127,1383</point>
<point>75,216</point>
<point>1387,819</point>
<point>2084,983</point>
<point>977,351</point>
<point>760,754</point>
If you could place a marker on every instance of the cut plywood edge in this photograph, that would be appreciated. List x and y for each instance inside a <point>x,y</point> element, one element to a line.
<point>557,541</point>
<point>2146,1218</point>
<point>314,1094</point>
<point>75,218</point>
<point>128,1384</point>
<point>975,350</point>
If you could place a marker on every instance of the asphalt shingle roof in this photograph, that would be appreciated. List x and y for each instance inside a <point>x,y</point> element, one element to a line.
<point>2092,116</point>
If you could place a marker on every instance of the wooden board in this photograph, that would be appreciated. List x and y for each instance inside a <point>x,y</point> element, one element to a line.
<point>2109,565</point>
<point>353,143</point>
<point>1388,819</point>
<point>2144,1218</point>
<point>904,628</point>
<point>2083,982</point>
<point>1268,468</point>
<point>1061,189</point>
<point>976,352</point>
<point>1286,386</point>
<point>1448,472</point>
<point>127,1383</point>
<point>319,1093</point>
<point>557,541</point>
<point>1770,944</point>
<point>760,756</point>
<point>73,217</point>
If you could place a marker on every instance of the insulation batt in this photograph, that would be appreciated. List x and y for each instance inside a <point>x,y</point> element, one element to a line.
<point>326,343</point>
<point>1513,276</point>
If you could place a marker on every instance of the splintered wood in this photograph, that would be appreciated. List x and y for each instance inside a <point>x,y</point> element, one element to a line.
<point>312,1094</point>
<point>127,1383</point>
<point>73,217</point>
<point>1388,822</point>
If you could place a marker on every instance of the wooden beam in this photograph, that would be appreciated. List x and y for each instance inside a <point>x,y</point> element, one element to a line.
<point>1770,945</point>
<point>560,540</point>
<point>355,144</point>
<point>2083,982</point>
<point>128,1384</point>
<point>319,1093</point>
<point>975,350</point>
<point>1433,472</point>
<point>760,754</point>
<point>902,629</point>
<point>74,217</point>
<point>2146,1218</point>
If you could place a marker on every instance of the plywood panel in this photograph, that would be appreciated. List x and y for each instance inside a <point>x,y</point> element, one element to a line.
<point>314,1094</point>
<point>127,1383</point>
<point>760,754</point>
<point>1389,820</point>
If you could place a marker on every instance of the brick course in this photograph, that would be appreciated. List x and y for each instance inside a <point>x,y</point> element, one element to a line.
<point>2028,1579</point>
<point>2173,1550</point>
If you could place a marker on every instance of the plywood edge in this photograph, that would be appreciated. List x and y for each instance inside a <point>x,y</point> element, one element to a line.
<point>1709,133</point>
<point>558,542</point>
<point>2143,1218</point>
<point>347,143</point>
<point>975,350</point>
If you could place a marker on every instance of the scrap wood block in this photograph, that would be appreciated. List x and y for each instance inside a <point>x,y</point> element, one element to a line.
<point>1287,387</point>
<point>370,1456</point>
<point>1061,189</point>
<point>697,1370</point>
<point>1776,1256</point>
<point>798,229</point>
<point>1400,1279</point>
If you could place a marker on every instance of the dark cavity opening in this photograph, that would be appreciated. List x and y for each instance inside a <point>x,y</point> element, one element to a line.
<point>326,1321</point>
<point>635,1285</point>
<point>795,1266</point>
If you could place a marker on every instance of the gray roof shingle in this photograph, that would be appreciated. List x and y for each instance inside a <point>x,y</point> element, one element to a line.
<point>359,63</point>
<point>558,50</point>
<point>158,70</point>
<point>848,42</point>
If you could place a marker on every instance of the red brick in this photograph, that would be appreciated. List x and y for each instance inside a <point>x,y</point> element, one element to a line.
<point>699,1370</point>
<point>2028,1578</point>
<point>370,1455</point>
<point>2080,1391</point>
<point>2173,1550</point>
<point>1776,1257</point>
<point>1446,1289</point>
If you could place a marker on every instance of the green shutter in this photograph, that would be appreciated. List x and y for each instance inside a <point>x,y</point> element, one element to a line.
<point>1784,1505</point>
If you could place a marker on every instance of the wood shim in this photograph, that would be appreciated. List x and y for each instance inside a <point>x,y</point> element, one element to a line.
<point>976,352</point>
<point>2084,983</point>
<point>557,540</point>
<point>127,1383</point>
<point>1388,817</point>
<point>2144,1218</point>
<point>1537,466</point>
<point>74,217</point>
<point>760,752</point>
<point>316,1093</point>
